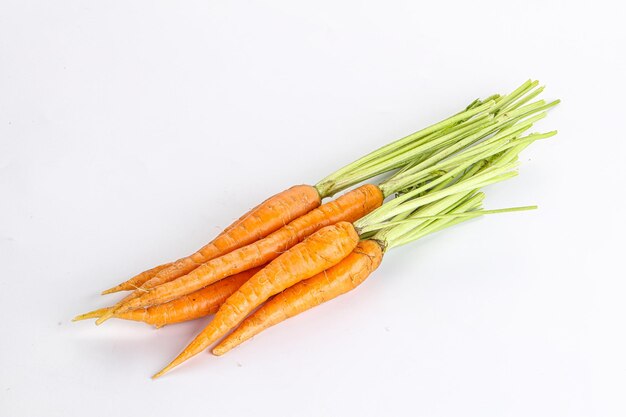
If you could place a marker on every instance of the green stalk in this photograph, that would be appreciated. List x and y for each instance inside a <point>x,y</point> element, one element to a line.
<point>404,155</point>
<point>393,229</point>
<point>440,142</point>
<point>432,141</point>
<point>520,91</point>
<point>411,175</point>
<point>452,197</point>
<point>486,151</point>
<point>468,207</point>
<point>526,98</point>
<point>415,219</point>
<point>400,181</point>
<point>409,201</point>
<point>430,145</point>
<point>518,103</point>
<point>329,185</point>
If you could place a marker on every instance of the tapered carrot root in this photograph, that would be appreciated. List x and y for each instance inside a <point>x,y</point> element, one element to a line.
<point>189,307</point>
<point>92,314</point>
<point>262,220</point>
<point>349,207</point>
<point>333,282</point>
<point>317,253</point>
<point>138,280</point>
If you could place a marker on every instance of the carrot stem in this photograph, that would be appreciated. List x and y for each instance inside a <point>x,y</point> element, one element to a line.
<point>379,226</point>
<point>336,181</point>
<point>442,144</point>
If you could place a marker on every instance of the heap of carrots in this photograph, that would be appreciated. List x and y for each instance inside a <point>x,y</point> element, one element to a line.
<point>291,252</point>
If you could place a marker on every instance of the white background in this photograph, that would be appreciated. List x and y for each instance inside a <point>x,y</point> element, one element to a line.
<point>131,131</point>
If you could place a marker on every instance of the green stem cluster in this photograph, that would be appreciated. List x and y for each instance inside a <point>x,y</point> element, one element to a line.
<point>416,212</point>
<point>416,155</point>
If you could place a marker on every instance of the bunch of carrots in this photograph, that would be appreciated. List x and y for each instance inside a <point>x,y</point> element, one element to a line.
<point>291,252</point>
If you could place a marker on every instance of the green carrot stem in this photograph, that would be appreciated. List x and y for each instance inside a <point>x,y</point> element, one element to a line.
<point>501,142</point>
<point>393,236</point>
<point>410,175</point>
<point>401,227</point>
<point>412,220</point>
<point>518,92</point>
<point>469,206</point>
<point>409,201</point>
<point>534,93</point>
<point>334,182</point>
<point>479,120</point>
<point>404,155</point>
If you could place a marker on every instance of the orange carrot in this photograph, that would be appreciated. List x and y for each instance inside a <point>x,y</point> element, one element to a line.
<point>317,253</point>
<point>262,220</point>
<point>189,307</point>
<point>349,207</point>
<point>137,281</point>
<point>331,283</point>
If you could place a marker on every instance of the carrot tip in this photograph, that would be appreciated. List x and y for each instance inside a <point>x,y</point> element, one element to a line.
<point>104,318</point>
<point>163,371</point>
<point>111,290</point>
<point>219,351</point>
<point>91,315</point>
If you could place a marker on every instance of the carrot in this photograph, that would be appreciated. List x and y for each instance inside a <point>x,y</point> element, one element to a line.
<point>439,170</point>
<point>389,157</point>
<point>349,207</point>
<point>189,307</point>
<point>451,155</point>
<point>137,281</point>
<point>333,282</point>
<point>318,252</point>
<point>327,245</point>
<point>262,220</point>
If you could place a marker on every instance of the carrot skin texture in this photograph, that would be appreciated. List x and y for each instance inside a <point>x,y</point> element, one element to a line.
<point>260,221</point>
<point>317,253</point>
<point>329,284</point>
<point>138,280</point>
<point>349,207</point>
<point>198,304</point>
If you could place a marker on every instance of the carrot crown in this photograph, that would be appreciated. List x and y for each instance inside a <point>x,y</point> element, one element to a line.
<point>421,155</point>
